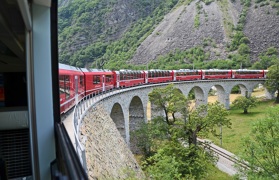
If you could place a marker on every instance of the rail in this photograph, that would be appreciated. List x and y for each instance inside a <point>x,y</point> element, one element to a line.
<point>227,155</point>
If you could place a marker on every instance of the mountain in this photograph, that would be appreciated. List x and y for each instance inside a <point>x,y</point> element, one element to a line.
<point>168,33</point>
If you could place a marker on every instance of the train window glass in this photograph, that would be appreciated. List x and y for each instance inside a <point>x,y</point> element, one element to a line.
<point>96,79</point>
<point>134,75</point>
<point>67,86</point>
<point>81,80</point>
<point>108,78</point>
<point>61,85</point>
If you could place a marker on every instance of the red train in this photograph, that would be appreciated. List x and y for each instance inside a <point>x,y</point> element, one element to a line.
<point>83,81</point>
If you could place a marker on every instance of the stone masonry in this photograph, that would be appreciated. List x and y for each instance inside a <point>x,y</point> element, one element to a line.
<point>107,154</point>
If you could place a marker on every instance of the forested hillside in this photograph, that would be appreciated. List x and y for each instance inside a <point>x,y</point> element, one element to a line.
<point>166,34</point>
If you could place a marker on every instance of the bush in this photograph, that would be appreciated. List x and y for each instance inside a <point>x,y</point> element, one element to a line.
<point>244,40</point>
<point>243,49</point>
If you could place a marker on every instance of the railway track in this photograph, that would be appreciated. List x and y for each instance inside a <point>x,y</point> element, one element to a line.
<point>226,159</point>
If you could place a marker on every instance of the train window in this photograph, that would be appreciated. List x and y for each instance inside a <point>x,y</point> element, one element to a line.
<point>81,80</point>
<point>108,78</point>
<point>67,86</point>
<point>62,85</point>
<point>96,79</point>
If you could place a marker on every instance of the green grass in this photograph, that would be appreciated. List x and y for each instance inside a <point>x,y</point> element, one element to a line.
<point>241,126</point>
<point>216,174</point>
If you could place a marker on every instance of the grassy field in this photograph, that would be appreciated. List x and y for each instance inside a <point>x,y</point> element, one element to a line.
<point>216,174</point>
<point>241,126</point>
<point>241,123</point>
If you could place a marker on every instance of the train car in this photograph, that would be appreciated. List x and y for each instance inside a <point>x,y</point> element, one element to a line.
<point>97,80</point>
<point>128,78</point>
<point>158,76</point>
<point>248,74</point>
<point>71,83</point>
<point>187,75</point>
<point>216,74</point>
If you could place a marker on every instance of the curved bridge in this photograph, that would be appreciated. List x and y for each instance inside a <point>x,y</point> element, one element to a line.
<point>128,107</point>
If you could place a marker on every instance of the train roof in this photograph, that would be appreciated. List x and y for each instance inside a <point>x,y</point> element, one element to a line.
<point>249,70</point>
<point>157,70</point>
<point>128,71</point>
<point>94,70</point>
<point>186,70</point>
<point>68,67</point>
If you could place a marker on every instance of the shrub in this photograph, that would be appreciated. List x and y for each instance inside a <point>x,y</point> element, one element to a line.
<point>244,40</point>
<point>243,49</point>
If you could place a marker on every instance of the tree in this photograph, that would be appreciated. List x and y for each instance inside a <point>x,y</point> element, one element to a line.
<point>177,161</point>
<point>245,103</point>
<point>272,82</point>
<point>170,100</point>
<point>205,119</point>
<point>149,135</point>
<point>261,148</point>
<point>177,155</point>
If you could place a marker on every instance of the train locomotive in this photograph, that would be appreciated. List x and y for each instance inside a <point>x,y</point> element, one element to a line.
<point>82,81</point>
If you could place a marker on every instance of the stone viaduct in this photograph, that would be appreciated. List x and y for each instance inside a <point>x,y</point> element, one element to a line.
<point>128,107</point>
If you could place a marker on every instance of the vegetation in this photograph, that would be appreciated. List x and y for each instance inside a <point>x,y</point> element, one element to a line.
<point>245,103</point>
<point>170,142</point>
<point>261,148</point>
<point>267,59</point>
<point>205,119</point>
<point>176,161</point>
<point>83,21</point>
<point>272,83</point>
<point>241,126</point>
<point>170,100</point>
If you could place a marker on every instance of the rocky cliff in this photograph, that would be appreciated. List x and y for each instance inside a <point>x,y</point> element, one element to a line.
<point>178,31</point>
<point>105,31</point>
